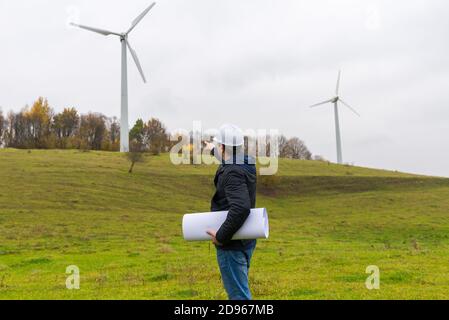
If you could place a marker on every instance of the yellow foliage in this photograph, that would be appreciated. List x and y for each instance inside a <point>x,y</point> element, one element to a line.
<point>40,113</point>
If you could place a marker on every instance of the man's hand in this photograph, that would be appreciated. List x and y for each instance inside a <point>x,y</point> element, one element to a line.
<point>213,235</point>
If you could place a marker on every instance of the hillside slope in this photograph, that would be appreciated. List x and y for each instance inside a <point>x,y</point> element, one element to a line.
<point>328,223</point>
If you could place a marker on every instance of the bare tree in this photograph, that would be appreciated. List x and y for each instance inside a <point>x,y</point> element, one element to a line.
<point>282,146</point>
<point>17,134</point>
<point>296,149</point>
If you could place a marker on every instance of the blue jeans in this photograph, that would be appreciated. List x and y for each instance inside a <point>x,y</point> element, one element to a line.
<point>234,268</point>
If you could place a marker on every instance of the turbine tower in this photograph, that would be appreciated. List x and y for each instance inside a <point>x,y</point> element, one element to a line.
<point>335,101</point>
<point>124,125</point>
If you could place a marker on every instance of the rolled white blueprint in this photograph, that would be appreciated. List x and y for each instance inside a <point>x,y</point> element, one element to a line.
<point>195,226</point>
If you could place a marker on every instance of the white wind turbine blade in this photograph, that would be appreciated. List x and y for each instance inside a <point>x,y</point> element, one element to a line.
<point>337,90</point>
<point>140,17</point>
<point>100,31</point>
<point>349,107</point>
<point>136,60</point>
<point>321,103</point>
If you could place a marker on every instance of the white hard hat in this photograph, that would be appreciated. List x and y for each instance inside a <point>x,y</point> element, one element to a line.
<point>230,135</point>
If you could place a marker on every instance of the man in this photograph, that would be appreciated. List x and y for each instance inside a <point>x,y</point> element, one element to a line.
<point>235,183</point>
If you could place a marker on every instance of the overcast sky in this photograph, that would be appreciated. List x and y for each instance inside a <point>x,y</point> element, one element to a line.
<point>256,63</point>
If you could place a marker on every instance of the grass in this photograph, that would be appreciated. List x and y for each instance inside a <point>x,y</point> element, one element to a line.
<point>328,223</point>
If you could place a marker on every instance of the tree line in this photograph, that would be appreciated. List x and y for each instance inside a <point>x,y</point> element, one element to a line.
<point>39,127</point>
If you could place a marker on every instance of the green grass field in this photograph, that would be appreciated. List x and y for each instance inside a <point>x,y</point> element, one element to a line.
<point>328,223</point>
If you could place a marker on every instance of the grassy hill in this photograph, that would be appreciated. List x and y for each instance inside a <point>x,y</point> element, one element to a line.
<point>328,223</point>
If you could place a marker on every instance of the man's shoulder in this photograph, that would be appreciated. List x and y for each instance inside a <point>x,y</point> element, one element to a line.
<point>234,168</point>
<point>240,171</point>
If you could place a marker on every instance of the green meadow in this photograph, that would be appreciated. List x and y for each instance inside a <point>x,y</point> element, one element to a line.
<point>328,223</point>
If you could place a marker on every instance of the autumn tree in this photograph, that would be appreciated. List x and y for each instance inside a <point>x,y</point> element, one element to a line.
<point>152,136</point>
<point>92,131</point>
<point>39,123</point>
<point>39,127</point>
<point>156,136</point>
<point>65,127</point>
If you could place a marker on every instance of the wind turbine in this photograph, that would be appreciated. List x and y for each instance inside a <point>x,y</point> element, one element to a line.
<point>124,125</point>
<point>335,101</point>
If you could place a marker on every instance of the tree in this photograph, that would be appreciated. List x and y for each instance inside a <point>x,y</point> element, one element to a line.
<point>39,123</point>
<point>155,136</point>
<point>282,146</point>
<point>38,127</point>
<point>296,149</point>
<point>92,131</point>
<point>65,127</point>
<point>114,134</point>
<point>152,136</point>
<point>137,133</point>
<point>17,135</point>
<point>135,155</point>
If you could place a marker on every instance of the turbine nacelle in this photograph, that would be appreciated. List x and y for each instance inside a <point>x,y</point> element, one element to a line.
<point>335,101</point>
<point>337,98</point>
<point>123,36</point>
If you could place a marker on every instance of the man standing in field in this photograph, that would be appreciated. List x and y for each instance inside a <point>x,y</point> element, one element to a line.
<point>235,183</point>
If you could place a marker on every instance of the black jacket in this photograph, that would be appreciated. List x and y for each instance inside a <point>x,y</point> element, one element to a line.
<point>235,192</point>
